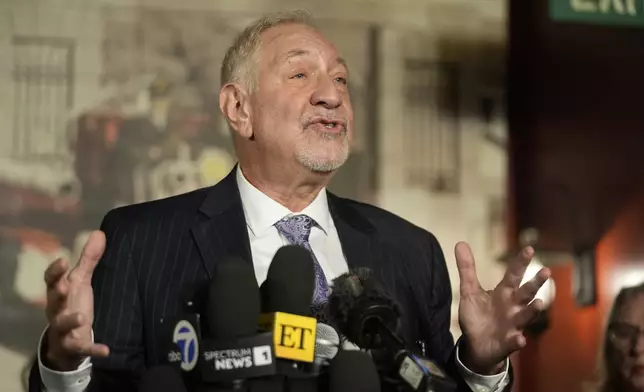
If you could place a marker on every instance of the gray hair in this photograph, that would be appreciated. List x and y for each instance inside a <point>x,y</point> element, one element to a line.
<point>239,63</point>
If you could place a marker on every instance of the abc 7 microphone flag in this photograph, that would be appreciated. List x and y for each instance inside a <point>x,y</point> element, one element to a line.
<point>186,340</point>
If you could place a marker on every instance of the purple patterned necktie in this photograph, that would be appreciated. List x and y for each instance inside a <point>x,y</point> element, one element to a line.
<point>296,229</point>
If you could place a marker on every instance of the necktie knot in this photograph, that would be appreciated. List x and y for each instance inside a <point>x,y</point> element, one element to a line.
<point>296,228</point>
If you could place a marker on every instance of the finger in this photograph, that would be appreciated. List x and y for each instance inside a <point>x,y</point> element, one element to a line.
<point>55,271</point>
<point>91,254</point>
<point>516,342</point>
<point>528,290</point>
<point>57,297</point>
<point>528,314</point>
<point>64,323</point>
<point>466,269</point>
<point>85,349</point>
<point>517,267</point>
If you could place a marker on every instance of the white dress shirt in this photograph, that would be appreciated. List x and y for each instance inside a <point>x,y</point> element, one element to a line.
<point>261,214</point>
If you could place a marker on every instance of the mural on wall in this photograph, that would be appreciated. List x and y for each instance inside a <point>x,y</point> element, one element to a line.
<point>156,132</point>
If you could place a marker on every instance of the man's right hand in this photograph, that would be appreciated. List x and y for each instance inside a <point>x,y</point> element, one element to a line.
<point>70,309</point>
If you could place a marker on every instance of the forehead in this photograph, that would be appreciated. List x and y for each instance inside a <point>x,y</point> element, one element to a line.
<point>283,41</point>
<point>632,311</point>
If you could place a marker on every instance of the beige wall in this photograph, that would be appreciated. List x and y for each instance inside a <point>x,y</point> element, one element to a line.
<point>474,39</point>
<point>469,32</point>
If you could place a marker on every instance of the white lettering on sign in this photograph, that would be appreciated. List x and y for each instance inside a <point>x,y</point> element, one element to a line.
<point>619,7</point>
<point>583,5</point>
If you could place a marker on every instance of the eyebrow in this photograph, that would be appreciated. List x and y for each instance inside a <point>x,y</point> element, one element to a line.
<point>303,52</point>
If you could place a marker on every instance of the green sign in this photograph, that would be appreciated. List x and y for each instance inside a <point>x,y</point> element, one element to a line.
<point>599,12</point>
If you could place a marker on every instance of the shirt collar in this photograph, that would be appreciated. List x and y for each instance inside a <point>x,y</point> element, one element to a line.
<point>262,212</point>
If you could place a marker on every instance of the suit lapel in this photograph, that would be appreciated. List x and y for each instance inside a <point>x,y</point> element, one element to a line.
<point>355,232</point>
<point>221,230</point>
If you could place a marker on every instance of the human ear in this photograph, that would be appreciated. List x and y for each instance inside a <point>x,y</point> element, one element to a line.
<point>234,104</point>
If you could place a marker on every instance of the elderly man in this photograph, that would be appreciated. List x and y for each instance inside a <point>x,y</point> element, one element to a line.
<point>284,93</point>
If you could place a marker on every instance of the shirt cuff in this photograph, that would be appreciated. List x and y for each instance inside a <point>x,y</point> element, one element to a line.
<point>72,381</point>
<point>479,382</point>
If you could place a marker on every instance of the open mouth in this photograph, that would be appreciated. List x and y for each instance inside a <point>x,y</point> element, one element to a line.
<point>329,125</point>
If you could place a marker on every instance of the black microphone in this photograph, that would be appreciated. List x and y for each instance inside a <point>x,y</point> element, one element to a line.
<point>353,371</point>
<point>161,378</point>
<point>233,351</point>
<point>286,296</point>
<point>362,310</point>
<point>181,349</point>
<point>290,282</point>
<point>369,317</point>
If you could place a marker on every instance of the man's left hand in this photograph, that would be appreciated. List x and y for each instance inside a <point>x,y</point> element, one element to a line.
<point>493,321</point>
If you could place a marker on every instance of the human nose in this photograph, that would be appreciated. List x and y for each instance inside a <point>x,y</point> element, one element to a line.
<point>327,93</point>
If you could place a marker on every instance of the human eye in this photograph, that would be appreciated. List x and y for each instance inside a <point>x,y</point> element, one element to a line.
<point>623,331</point>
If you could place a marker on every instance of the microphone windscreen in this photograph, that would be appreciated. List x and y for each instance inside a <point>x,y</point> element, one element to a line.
<point>233,306</point>
<point>353,371</point>
<point>161,378</point>
<point>357,297</point>
<point>290,282</point>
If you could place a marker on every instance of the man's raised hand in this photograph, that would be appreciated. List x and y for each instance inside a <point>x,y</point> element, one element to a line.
<point>70,308</point>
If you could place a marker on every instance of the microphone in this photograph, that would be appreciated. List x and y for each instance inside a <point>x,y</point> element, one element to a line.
<point>182,349</point>
<point>161,378</point>
<point>233,350</point>
<point>286,295</point>
<point>362,310</point>
<point>353,371</point>
<point>327,344</point>
<point>369,317</point>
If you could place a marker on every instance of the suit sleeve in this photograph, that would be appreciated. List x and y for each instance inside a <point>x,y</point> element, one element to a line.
<point>117,309</point>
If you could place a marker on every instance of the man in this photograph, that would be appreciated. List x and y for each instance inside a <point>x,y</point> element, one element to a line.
<point>284,94</point>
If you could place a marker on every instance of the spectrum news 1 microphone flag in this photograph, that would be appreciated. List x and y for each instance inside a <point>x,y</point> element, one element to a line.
<point>366,314</point>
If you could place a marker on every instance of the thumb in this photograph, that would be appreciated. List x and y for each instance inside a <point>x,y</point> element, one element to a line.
<point>91,254</point>
<point>466,269</point>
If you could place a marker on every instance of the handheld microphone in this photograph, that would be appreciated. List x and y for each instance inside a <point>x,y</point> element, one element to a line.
<point>234,351</point>
<point>161,378</point>
<point>327,344</point>
<point>353,371</point>
<point>286,295</point>
<point>369,317</point>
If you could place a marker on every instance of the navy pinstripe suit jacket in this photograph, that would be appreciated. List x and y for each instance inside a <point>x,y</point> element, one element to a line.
<point>156,250</point>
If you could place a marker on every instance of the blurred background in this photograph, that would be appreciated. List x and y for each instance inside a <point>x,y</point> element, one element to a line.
<point>498,122</point>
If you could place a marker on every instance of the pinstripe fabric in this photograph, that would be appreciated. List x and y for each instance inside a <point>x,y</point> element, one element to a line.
<point>158,250</point>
